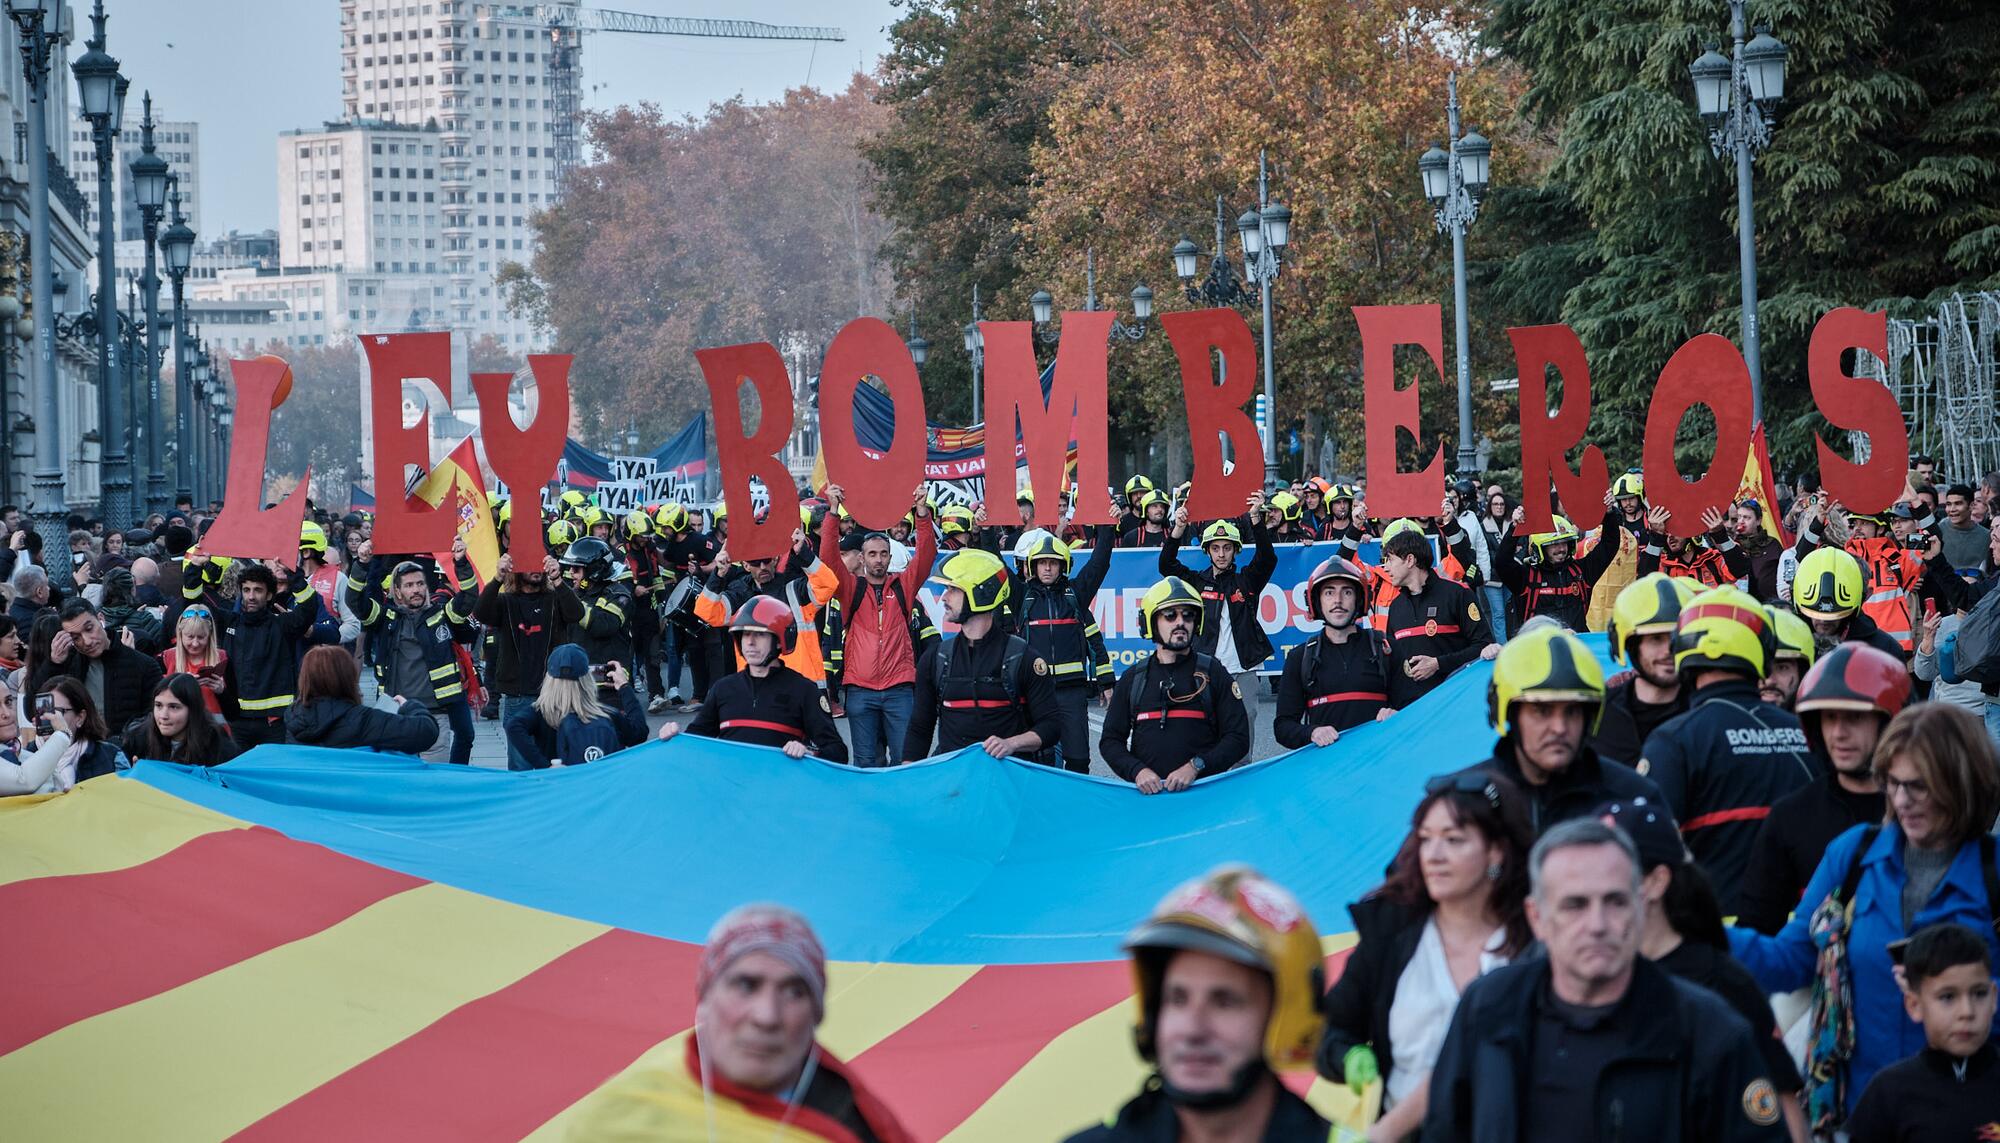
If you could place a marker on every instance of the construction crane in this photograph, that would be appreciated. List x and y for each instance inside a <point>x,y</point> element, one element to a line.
<point>565,25</point>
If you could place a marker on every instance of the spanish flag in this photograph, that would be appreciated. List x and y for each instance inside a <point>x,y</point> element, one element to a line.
<point>1758,485</point>
<point>455,484</point>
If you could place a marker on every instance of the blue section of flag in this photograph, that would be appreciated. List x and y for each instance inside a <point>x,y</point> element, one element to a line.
<point>956,860</point>
<point>686,455</point>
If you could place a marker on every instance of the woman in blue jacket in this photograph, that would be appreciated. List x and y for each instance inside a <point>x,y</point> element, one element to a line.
<point>1932,862</point>
<point>568,725</point>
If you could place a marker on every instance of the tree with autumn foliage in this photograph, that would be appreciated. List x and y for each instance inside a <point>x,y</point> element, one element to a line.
<point>750,223</point>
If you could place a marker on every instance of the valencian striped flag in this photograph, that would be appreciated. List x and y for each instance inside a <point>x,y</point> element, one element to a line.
<point>309,944</point>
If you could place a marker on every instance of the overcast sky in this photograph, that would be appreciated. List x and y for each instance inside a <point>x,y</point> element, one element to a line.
<point>248,69</point>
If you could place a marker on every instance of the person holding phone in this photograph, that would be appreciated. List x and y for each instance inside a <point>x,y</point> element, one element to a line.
<point>569,723</point>
<point>196,652</point>
<point>27,761</point>
<point>66,721</point>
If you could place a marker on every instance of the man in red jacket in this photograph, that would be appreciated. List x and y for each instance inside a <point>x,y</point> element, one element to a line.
<point>880,660</point>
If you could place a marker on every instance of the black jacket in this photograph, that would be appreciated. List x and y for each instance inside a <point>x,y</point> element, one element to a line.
<point>1149,1118</point>
<point>603,627</point>
<point>1790,843</point>
<point>1144,730</point>
<point>1626,722</point>
<point>576,742</point>
<point>134,744</point>
<point>1445,622</point>
<point>782,707</point>
<point>1922,1099</point>
<point>1588,782</point>
<point>129,679</point>
<point>1357,1007</point>
<point>341,725</point>
<point>1560,590</point>
<point>1348,686</point>
<point>1688,1071</point>
<point>524,628</point>
<point>1238,590</point>
<point>1720,767</point>
<point>966,700</point>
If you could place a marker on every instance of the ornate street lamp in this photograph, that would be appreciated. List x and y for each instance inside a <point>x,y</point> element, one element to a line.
<point>1455,184</point>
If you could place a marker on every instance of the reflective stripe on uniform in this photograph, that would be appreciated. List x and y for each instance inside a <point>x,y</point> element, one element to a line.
<point>271,703</point>
<point>1147,715</point>
<point>1724,817</point>
<point>1441,629</point>
<point>1348,696</point>
<point>760,724</point>
<point>980,704</point>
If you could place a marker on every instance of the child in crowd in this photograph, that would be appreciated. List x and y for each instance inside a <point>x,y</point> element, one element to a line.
<point>1951,1089</point>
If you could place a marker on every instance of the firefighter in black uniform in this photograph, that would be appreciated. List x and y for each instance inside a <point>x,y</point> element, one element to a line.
<point>1721,765</point>
<point>1052,612</point>
<point>604,632</point>
<point>1544,699</point>
<point>1339,679</point>
<point>1642,636</point>
<point>1176,715</point>
<point>1435,626</point>
<point>649,584</point>
<point>767,703</point>
<point>984,687</point>
<point>1554,582</point>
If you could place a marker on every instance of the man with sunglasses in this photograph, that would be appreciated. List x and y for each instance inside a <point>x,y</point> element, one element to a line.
<point>804,584</point>
<point>1176,714</point>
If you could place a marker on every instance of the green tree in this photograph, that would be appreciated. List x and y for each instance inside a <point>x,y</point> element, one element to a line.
<point>320,424</point>
<point>969,84</point>
<point>1880,188</point>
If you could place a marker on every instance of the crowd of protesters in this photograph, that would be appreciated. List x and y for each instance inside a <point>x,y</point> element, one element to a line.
<point>1788,789</point>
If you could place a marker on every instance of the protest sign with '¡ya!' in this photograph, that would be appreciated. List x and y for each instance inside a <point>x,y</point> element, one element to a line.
<point>1706,371</point>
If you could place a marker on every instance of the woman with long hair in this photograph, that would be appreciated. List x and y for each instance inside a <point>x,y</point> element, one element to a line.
<point>179,729</point>
<point>1452,909</point>
<point>11,648</point>
<point>326,710</point>
<point>1929,863</point>
<point>568,725</point>
<point>39,639</point>
<point>71,716</point>
<point>25,769</point>
<point>1496,522</point>
<point>196,652</point>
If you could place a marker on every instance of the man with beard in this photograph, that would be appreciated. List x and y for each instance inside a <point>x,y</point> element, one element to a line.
<point>1642,636</point>
<point>1846,700</point>
<point>417,639</point>
<point>1794,657</point>
<point>1150,528</point>
<point>1594,1041</point>
<point>1434,625</point>
<point>767,703</point>
<point>1132,508</point>
<point>1710,560</point>
<point>1176,714</point>
<point>1229,981</point>
<point>1628,499</point>
<point>264,641</point>
<point>1339,679</point>
<point>805,586</point>
<point>1897,568</point>
<point>1723,763</point>
<point>1554,581</point>
<point>1746,524</point>
<point>1230,630</point>
<point>985,687</point>
<point>522,611</point>
<point>1545,698</point>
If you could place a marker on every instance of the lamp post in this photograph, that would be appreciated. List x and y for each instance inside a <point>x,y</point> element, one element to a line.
<point>1455,183</point>
<point>1737,97</point>
<point>38,41</point>
<point>1264,233</point>
<point>1044,307</point>
<point>149,187</point>
<point>177,248</point>
<point>98,88</point>
<point>975,346</point>
<point>920,350</point>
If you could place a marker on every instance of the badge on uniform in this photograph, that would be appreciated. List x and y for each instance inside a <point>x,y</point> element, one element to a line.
<point>1041,668</point>
<point>1472,611</point>
<point>1760,1103</point>
<point>1430,627</point>
<point>825,705</point>
<point>1644,767</point>
<point>1235,690</point>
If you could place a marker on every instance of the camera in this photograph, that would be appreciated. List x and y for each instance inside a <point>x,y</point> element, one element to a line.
<point>600,673</point>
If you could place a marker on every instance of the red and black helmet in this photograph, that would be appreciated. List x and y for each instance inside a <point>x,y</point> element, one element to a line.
<point>1852,676</point>
<point>765,613</point>
<point>1332,569</point>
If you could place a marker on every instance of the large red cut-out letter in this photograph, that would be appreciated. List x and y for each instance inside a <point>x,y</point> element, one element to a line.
<point>1215,408</point>
<point>1708,370</point>
<point>403,525</point>
<point>743,455</point>
<point>245,529</point>
<point>525,457</point>
<point>1858,405</point>
<point>1386,408</point>
<point>879,489</point>
<point>1073,411</point>
<point>1546,439</point>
